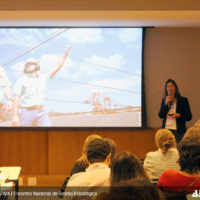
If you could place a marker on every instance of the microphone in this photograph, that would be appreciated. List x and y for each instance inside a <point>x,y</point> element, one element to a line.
<point>170,103</point>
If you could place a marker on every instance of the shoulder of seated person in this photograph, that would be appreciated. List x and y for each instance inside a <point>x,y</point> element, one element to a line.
<point>174,150</point>
<point>76,175</point>
<point>149,155</point>
<point>153,153</point>
<point>170,172</point>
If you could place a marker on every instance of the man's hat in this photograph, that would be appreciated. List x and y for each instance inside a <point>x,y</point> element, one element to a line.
<point>31,61</point>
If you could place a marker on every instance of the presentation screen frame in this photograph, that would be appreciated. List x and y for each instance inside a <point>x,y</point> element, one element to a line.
<point>143,102</point>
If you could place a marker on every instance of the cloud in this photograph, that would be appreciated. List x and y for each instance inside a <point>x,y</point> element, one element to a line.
<point>124,84</point>
<point>21,37</point>
<point>90,67</point>
<point>18,67</point>
<point>74,70</point>
<point>78,93</point>
<point>71,69</point>
<point>46,63</point>
<point>79,71</point>
<point>128,35</point>
<point>114,61</point>
<point>26,36</point>
<point>83,35</point>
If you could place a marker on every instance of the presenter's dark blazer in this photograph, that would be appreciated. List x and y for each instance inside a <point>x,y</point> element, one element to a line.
<point>183,108</point>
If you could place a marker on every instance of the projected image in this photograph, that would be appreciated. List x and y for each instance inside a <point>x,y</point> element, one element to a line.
<point>70,77</point>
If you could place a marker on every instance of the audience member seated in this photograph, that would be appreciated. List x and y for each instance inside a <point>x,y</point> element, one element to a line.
<point>193,132</point>
<point>134,189</point>
<point>126,166</point>
<point>81,164</point>
<point>166,157</point>
<point>187,180</point>
<point>98,159</point>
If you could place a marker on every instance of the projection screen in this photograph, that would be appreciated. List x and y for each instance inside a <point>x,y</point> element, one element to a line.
<point>70,77</point>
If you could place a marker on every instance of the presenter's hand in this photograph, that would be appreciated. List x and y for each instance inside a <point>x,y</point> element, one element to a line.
<point>15,121</point>
<point>176,115</point>
<point>169,99</point>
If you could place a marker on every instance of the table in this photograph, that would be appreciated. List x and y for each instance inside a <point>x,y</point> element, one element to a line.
<point>13,175</point>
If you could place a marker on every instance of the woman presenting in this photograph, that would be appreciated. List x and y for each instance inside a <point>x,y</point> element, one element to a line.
<point>174,110</point>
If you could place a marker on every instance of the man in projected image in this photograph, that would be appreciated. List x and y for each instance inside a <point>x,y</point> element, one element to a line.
<point>5,90</point>
<point>31,89</point>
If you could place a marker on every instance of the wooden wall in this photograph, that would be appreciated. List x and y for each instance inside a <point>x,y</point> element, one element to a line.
<point>53,152</point>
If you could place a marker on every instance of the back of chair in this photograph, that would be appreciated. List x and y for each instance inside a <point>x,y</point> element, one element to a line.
<point>62,189</point>
<point>154,181</point>
<point>175,196</point>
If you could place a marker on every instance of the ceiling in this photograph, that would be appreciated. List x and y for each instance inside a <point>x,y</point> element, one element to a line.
<point>157,13</point>
<point>99,4</point>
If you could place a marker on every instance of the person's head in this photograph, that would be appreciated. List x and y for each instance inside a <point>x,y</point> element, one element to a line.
<point>88,140</point>
<point>193,132</point>
<point>189,155</point>
<point>165,140</point>
<point>98,150</point>
<point>171,88</point>
<point>134,189</point>
<point>126,166</point>
<point>31,66</point>
<point>82,159</point>
<point>112,147</point>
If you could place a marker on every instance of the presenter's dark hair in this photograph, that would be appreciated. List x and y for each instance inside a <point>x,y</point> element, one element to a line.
<point>177,93</point>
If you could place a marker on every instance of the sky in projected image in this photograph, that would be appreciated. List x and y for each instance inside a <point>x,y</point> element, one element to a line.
<point>102,60</point>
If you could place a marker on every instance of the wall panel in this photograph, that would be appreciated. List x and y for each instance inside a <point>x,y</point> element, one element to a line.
<point>53,152</point>
<point>171,53</point>
<point>26,148</point>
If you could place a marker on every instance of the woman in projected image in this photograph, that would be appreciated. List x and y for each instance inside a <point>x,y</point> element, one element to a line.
<point>174,110</point>
<point>31,89</point>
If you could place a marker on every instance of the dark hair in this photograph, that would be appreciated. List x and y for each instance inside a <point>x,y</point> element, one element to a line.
<point>112,147</point>
<point>177,93</point>
<point>134,189</point>
<point>97,151</point>
<point>126,166</point>
<point>189,155</point>
<point>193,132</point>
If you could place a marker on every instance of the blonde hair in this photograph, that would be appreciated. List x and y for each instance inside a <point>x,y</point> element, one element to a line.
<point>165,140</point>
<point>82,159</point>
<point>193,132</point>
<point>197,123</point>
